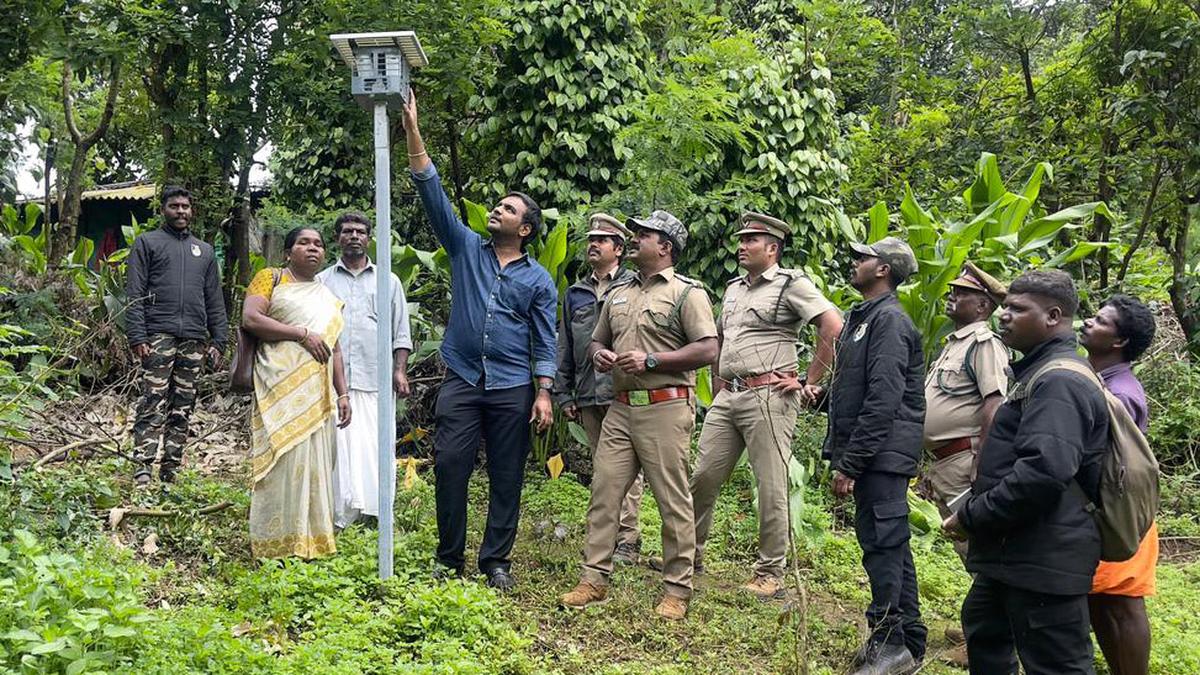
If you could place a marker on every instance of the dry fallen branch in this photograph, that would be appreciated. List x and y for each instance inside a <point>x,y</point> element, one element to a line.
<point>51,456</point>
<point>117,515</point>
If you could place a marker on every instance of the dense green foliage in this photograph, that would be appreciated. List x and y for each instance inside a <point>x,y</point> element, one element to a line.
<point>1062,134</point>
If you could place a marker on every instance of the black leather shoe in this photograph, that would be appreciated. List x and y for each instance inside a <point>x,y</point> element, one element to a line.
<point>886,659</point>
<point>500,579</point>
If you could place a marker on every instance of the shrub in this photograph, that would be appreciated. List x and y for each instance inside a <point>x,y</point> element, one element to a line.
<point>1173,390</point>
<point>62,613</point>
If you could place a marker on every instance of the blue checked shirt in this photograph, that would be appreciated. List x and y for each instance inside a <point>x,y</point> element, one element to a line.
<point>501,321</point>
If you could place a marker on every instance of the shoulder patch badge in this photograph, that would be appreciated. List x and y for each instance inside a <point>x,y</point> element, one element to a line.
<point>196,250</point>
<point>862,330</point>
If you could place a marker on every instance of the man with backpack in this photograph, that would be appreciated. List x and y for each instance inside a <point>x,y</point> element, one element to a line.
<point>1034,543</point>
<point>1114,338</point>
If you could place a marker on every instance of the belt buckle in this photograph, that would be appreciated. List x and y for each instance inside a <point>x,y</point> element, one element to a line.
<point>737,385</point>
<point>639,397</point>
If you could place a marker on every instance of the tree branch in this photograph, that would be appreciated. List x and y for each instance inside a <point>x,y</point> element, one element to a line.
<point>68,105</point>
<point>1145,224</point>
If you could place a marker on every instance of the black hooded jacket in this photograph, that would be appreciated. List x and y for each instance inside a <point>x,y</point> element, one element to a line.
<point>1026,519</point>
<point>877,396</point>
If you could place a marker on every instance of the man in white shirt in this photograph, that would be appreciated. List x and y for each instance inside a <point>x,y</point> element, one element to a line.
<point>352,279</point>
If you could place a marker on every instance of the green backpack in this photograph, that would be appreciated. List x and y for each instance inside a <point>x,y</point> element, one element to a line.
<point>1129,472</point>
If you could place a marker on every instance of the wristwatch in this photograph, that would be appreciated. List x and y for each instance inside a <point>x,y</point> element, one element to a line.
<point>651,362</point>
<point>545,386</point>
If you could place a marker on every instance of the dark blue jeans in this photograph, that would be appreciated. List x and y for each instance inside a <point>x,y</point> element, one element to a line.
<point>881,525</point>
<point>466,414</point>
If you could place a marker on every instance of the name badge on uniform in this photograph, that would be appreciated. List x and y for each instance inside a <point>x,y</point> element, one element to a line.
<point>619,301</point>
<point>196,250</point>
<point>858,334</point>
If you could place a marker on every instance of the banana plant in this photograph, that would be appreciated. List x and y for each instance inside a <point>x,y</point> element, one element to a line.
<point>1004,232</point>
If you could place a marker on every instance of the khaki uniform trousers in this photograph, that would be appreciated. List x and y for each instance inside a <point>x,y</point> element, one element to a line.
<point>762,422</point>
<point>628,532</point>
<point>948,478</point>
<point>656,439</point>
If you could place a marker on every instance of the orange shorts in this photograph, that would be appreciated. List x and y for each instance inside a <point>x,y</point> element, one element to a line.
<point>1133,577</point>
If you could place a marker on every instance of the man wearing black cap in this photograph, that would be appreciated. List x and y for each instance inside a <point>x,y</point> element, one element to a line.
<point>582,393</point>
<point>876,411</point>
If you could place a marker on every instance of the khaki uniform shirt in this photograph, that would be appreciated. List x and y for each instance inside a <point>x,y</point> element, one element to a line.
<point>953,400</point>
<point>637,315</point>
<point>760,322</point>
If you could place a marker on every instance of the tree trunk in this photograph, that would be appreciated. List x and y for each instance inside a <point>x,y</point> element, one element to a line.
<point>67,231</point>
<point>1173,237</point>
<point>51,152</point>
<point>1027,72</point>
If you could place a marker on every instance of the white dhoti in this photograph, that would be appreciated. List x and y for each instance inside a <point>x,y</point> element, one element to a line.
<point>356,471</point>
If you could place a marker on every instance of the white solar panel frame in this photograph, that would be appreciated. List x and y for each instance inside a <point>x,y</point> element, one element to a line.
<point>404,40</point>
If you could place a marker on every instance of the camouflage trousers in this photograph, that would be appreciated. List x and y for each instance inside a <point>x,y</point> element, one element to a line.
<point>168,395</point>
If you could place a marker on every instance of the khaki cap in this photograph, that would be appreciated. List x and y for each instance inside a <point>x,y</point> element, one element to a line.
<point>604,225</point>
<point>661,221</point>
<point>976,279</point>
<point>757,223</point>
<point>895,252</point>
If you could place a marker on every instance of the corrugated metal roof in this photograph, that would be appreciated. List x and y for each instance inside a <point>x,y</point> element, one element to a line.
<point>134,192</point>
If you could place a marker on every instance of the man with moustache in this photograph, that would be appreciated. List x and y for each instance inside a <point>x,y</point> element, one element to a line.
<point>176,316</point>
<point>1116,337</point>
<point>963,389</point>
<point>583,393</point>
<point>876,412</point>
<point>352,280</point>
<point>759,390</point>
<point>1034,544</point>
<point>652,334</point>
<point>499,339</point>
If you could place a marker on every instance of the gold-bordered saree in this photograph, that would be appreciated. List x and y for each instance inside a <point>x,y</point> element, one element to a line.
<point>292,430</point>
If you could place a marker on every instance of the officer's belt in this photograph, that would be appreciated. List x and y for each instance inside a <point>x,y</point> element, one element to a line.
<point>639,397</point>
<point>953,447</point>
<point>738,384</point>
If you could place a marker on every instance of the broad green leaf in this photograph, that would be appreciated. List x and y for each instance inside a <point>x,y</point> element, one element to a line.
<point>878,215</point>
<point>477,216</point>
<point>704,393</point>
<point>1043,230</point>
<point>988,186</point>
<point>1077,252</point>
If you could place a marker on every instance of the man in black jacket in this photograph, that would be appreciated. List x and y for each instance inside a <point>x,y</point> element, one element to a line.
<point>1034,546</point>
<point>175,307</point>
<point>876,416</point>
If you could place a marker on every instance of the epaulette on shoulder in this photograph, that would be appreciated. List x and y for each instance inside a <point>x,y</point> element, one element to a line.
<point>619,283</point>
<point>985,333</point>
<point>688,281</point>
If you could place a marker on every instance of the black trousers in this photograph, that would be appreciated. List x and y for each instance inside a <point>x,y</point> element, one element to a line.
<point>1050,634</point>
<point>881,525</point>
<point>465,414</point>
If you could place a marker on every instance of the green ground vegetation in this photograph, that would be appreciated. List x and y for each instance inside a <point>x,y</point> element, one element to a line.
<point>180,594</point>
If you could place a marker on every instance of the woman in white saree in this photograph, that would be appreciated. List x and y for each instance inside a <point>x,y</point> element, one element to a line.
<point>299,381</point>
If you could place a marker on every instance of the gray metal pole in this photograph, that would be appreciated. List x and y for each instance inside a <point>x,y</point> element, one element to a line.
<point>383,307</point>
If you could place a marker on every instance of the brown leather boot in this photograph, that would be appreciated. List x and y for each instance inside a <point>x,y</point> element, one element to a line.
<point>585,594</point>
<point>672,607</point>
<point>766,587</point>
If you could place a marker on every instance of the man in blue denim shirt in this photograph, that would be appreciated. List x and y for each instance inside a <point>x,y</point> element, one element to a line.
<point>502,314</point>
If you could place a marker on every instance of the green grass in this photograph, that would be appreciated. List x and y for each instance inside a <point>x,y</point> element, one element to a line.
<point>212,609</point>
